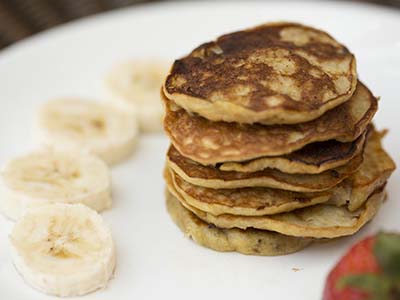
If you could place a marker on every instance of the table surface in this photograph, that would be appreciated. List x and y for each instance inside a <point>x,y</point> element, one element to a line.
<point>20,18</point>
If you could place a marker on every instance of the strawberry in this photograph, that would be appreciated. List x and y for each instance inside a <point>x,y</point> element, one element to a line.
<point>370,270</point>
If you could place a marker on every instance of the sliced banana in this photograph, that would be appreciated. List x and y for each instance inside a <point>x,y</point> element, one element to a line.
<point>63,249</point>
<point>135,86</point>
<point>75,124</point>
<point>48,176</point>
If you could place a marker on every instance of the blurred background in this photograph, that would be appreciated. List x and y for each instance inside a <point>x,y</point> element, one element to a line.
<point>22,18</point>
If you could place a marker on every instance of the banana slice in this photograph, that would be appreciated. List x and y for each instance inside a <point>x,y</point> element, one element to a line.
<point>71,124</point>
<point>47,177</point>
<point>63,249</point>
<point>135,86</point>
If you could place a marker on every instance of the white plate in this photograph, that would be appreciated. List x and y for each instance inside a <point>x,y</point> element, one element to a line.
<point>155,260</point>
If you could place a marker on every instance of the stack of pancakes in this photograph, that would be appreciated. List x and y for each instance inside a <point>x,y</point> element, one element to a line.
<point>272,142</point>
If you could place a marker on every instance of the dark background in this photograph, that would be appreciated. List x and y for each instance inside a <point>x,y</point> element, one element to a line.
<point>22,18</point>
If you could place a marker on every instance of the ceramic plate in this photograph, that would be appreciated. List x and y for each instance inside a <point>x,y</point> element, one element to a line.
<point>155,260</point>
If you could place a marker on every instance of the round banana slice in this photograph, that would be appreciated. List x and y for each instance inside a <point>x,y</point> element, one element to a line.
<point>71,124</point>
<point>135,86</point>
<point>63,249</point>
<point>48,177</point>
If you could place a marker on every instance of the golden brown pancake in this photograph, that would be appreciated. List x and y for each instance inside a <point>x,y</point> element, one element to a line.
<point>276,73</point>
<point>353,192</point>
<point>210,143</point>
<point>248,201</point>
<point>249,241</point>
<point>311,159</point>
<point>318,221</point>
<point>374,171</point>
<point>212,177</point>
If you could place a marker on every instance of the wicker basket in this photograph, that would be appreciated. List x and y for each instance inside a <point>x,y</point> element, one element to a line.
<point>22,18</point>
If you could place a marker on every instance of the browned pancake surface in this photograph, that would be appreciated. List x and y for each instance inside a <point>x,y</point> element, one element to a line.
<point>374,172</point>
<point>212,177</point>
<point>279,73</point>
<point>318,221</point>
<point>214,142</point>
<point>249,201</point>
<point>311,159</point>
<point>352,192</point>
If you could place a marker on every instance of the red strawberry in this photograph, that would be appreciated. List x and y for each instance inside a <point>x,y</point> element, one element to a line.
<point>369,270</point>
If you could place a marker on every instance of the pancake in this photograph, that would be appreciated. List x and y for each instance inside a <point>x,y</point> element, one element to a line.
<point>353,192</point>
<point>374,171</point>
<point>318,221</point>
<point>250,241</point>
<point>210,143</point>
<point>311,159</point>
<point>276,73</point>
<point>248,201</point>
<point>212,177</point>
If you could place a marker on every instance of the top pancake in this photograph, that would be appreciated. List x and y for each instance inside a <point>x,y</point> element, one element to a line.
<point>209,143</point>
<point>277,73</point>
